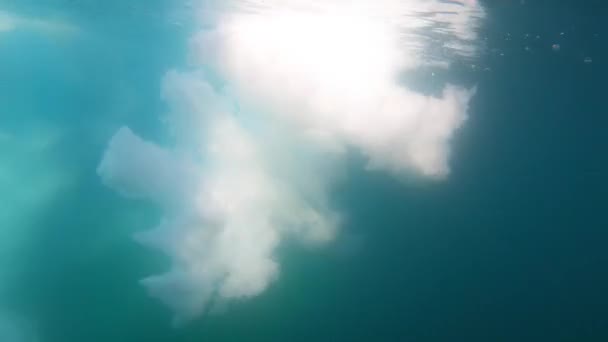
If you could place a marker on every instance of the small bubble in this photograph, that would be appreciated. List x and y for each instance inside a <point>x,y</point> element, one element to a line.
<point>527,48</point>
<point>588,60</point>
<point>537,37</point>
<point>555,47</point>
<point>561,33</point>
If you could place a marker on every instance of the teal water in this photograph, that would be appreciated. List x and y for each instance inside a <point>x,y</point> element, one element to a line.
<point>510,247</point>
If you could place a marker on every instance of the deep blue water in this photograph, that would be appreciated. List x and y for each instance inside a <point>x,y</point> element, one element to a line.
<point>511,247</point>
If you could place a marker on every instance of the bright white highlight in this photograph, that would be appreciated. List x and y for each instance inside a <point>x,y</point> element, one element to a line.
<point>334,70</point>
<point>253,160</point>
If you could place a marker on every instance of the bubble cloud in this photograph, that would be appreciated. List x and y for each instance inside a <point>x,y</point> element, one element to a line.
<point>280,91</point>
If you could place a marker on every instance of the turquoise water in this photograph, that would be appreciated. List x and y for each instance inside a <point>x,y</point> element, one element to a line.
<point>510,247</point>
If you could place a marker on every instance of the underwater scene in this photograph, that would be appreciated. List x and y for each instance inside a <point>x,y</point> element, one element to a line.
<point>303,170</point>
